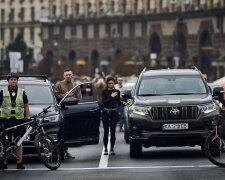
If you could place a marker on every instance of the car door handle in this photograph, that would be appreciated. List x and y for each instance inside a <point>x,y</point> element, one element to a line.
<point>93,110</point>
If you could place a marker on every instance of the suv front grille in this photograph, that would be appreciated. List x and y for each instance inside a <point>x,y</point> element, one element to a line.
<point>170,113</point>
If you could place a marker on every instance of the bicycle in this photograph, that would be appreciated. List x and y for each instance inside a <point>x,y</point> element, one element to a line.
<point>215,144</point>
<point>47,149</point>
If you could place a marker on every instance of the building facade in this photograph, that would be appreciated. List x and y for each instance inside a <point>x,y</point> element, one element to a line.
<point>170,33</point>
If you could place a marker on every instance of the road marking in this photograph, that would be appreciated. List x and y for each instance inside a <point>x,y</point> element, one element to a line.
<point>103,163</point>
<point>116,168</point>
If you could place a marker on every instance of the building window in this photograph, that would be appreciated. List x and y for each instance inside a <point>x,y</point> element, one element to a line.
<point>160,5</point>
<point>3,15</point>
<point>11,14</point>
<point>96,30</point>
<point>3,35</point>
<point>112,6</point>
<point>101,8</point>
<point>124,6</point>
<point>22,14</point>
<point>62,32</point>
<point>11,34</point>
<point>21,1</point>
<point>148,5</point>
<point>32,34</point>
<point>21,31</point>
<point>56,30</point>
<point>89,10</point>
<point>32,14</point>
<point>31,1</point>
<point>73,30</point>
<point>220,23</point>
<point>108,29</point>
<point>144,28</point>
<point>65,10</point>
<point>85,31</point>
<point>211,3</point>
<point>54,11</point>
<point>77,9</point>
<point>136,6</point>
<point>198,3</point>
<point>132,29</point>
<point>2,54</point>
<point>120,29</point>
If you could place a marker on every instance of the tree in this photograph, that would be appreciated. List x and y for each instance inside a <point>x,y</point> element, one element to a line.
<point>124,65</point>
<point>19,46</point>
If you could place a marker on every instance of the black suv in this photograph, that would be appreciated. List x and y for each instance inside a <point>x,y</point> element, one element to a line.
<point>170,108</point>
<point>72,123</point>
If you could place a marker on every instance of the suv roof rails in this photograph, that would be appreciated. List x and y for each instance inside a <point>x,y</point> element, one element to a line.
<point>44,77</point>
<point>143,70</point>
<point>195,68</point>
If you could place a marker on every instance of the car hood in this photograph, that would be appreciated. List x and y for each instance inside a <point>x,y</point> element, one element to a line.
<point>35,109</point>
<point>168,100</point>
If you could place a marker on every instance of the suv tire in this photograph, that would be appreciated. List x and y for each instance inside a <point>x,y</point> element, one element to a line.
<point>126,135</point>
<point>135,149</point>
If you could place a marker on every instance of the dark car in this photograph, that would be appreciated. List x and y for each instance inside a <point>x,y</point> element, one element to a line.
<point>73,122</point>
<point>82,120</point>
<point>170,108</point>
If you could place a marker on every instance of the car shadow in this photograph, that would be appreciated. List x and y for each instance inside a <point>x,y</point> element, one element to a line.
<point>173,153</point>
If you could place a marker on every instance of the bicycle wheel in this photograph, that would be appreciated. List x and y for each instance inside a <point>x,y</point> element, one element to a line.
<point>215,149</point>
<point>3,146</point>
<point>48,152</point>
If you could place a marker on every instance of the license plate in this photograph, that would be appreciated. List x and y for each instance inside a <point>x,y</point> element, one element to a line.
<point>179,126</point>
<point>27,139</point>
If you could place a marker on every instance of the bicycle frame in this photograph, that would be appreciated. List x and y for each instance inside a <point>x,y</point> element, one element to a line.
<point>15,127</point>
<point>3,133</point>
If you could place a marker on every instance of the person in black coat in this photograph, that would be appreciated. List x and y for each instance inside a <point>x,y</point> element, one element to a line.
<point>110,116</point>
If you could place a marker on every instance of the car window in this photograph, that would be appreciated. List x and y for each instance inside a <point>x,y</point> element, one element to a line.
<point>164,85</point>
<point>37,94</point>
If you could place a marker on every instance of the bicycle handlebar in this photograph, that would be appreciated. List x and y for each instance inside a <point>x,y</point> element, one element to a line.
<point>45,110</point>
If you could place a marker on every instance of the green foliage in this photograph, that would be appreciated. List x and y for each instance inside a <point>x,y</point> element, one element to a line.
<point>123,65</point>
<point>19,46</point>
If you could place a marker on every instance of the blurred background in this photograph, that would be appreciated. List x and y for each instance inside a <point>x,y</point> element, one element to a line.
<point>112,36</point>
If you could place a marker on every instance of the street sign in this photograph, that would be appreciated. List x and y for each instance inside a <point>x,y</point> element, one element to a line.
<point>14,61</point>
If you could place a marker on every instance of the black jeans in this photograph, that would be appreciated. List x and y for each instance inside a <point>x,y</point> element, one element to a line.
<point>109,120</point>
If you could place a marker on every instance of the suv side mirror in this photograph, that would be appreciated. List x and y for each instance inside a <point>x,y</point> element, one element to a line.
<point>70,101</point>
<point>127,94</point>
<point>218,91</point>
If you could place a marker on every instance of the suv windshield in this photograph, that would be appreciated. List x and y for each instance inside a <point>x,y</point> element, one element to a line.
<point>37,94</point>
<point>171,85</point>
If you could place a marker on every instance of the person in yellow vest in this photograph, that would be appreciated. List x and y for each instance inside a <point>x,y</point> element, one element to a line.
<point>14,111</point>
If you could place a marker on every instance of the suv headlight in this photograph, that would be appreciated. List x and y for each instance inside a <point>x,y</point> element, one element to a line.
<point>208,108</point>
<point>139,110</point>
<point>54,118</point>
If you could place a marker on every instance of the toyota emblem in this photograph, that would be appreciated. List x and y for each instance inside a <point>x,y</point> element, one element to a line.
<point>174,111</point>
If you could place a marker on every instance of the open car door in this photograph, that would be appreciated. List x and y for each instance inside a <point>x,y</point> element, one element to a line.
<point>81,119</point>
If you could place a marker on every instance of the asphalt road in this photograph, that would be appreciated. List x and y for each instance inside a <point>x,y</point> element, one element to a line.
<point>177,163</point>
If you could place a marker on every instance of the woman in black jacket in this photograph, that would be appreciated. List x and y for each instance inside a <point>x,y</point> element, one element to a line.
<point>110,116</point>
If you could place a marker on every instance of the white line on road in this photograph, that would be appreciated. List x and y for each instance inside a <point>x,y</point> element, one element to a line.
<point>115,168</point>
<point>104,158</point>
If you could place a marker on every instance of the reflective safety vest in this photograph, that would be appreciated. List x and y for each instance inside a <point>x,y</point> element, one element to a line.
<point>6,108</point>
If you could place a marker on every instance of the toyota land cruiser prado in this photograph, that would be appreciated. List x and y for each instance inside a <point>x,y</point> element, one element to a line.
<point>170,108</point>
